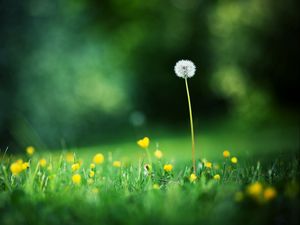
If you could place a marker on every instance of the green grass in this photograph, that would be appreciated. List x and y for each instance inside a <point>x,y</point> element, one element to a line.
<point>126,195</point>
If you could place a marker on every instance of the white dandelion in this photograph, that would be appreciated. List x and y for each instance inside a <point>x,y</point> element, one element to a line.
<point>185,69</point>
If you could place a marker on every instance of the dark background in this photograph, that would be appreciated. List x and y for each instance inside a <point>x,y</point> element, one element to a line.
<point>83,71</point>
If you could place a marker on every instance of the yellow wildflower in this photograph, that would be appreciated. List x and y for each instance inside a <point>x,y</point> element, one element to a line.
<point>76,178</point>
<point>91,173</point>
<point>75,166</point>
<point>156,186</point>
<point>254,190</point>
<point>98,158</point>
<point>226,154</point>
<point>70,157</point>
<point>117,163</point>
<point>92,165</point>
<point>269,193</point>
<point>25,165</point>
<point>217,177</point>
<point>234,160</point>
<point>30,150</point>
<point>16,168</point>
<point>143,143</point>
<point>239,196</point>
<point>43,162</point>
<point>208,165</point>
<point>168,167</point>
<point>158,154</point>
<point>193,177</point>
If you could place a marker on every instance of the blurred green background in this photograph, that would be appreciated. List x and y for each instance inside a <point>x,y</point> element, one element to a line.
<point>86,72</point>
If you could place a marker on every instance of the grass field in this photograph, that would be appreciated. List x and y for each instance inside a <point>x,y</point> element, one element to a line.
<point>129,186</point>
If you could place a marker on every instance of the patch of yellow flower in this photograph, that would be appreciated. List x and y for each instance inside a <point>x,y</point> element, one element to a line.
<point>91,173</point>
<point>43,162</point>
<point>234,160</point>
<point>217,177</point>
<point>30,150</point>
<point>158,154</point>
<point>76,178</point>
<point>258,193</point>
<point>208,165</point>
<point>144,143</point>
<point>168,167</point>
<point>18,166</point>
<point>156,186</point>
<point>269,193</point>
<point>98,158</point>
<point>193,177</point>
<point>117,164</point>
<point>75,166</point>
<point>226,154</point>
<point>70,157</point>
<point>92,165</point>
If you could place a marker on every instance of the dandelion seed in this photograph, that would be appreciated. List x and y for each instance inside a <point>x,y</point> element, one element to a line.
<point>144,143</point>
<point>76,178</point>
<point>158,154</point>
<point>30,150</point>
<point>193,177</point>
<point>226,154</point>
<point>217,177</point>
<point>234,160</point>
<point>185,69</point>
<point>117,163</point>
<point>98,158</point>
<point>168,167</point>
<point>43,162</point>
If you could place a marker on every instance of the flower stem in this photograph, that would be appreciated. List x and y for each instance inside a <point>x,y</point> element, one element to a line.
<point>192,126</point>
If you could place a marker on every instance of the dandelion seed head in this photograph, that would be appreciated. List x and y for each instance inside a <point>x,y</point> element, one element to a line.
<point>185,69</point>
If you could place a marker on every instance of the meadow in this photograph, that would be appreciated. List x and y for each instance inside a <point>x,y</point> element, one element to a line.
<point>241,178</point>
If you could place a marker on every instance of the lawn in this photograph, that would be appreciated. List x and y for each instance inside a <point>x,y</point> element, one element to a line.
<point>119,183</point>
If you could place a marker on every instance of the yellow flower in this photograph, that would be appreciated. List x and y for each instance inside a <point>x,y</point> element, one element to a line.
<point>98,158</point>
<point>143,143</point>
<point>158,154</point>
<point>234,160</point>
<point>95,190</point>
<point>239,196</point>
<point>92,165</point>
<point>226,154</point>
<point>193,177</point>
<point>208,165</point>
<point>43,162</point>
<point>92,173</point>
<point>75,166</point>
<point>254,190</point>
<point>168,167</point>
<point>117,163</point>
<point>30,150</point>
<point>16,168</point>
<point>217,177</point>
<point>70,157</point>
<point>156,186</point>
<point>269,193</point>
<point>25,165</point>
<point>76,178</point>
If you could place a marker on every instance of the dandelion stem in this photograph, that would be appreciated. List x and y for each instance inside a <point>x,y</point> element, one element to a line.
<point>192,126</point>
